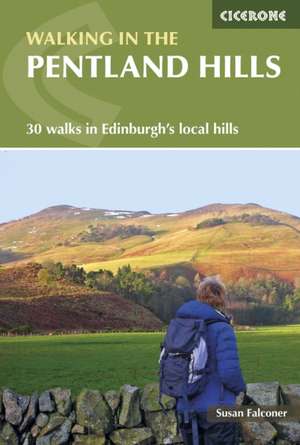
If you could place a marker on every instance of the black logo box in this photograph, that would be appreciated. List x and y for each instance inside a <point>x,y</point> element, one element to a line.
<point>263,14</point>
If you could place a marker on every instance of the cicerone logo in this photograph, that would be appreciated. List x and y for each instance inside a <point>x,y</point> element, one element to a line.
<point>253,16</point>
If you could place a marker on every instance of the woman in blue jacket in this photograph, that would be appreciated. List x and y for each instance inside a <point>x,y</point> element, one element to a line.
<point>225,381</point>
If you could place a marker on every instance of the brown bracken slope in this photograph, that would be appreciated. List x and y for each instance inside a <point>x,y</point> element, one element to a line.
<point>64,307</point>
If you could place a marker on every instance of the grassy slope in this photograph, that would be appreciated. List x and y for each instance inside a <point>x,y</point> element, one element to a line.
<point>229,250</point>
<point>107,361</point>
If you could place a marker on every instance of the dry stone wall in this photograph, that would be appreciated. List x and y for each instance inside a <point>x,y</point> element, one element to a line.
<point>130,416</point>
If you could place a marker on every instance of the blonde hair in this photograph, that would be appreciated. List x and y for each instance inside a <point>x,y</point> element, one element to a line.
<point>212,291</point>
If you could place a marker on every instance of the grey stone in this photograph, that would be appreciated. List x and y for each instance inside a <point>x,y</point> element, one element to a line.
<point>46,403</point>
<point>31,413</point>
<point>289,431</point>
<point>45,440</point>
<point>55,421</point>
<point>8,435</point>
<point>13,411</point>
<point>28,439</point>
<point>283,442</point>
<point>291,394</point>
<point>42,420</point>
<point>91,439</point>
<point>264,394</point>
<point>72,417</point>
<point>93,412</point>
<point>150,396</point>
<point>258,433</point>
<point>113,399</point>
<point>62,435</point>
<point>1,404</point>
<point>59,436</point>
<point>23,402</point>
<point>133,436</point>
<point>63,400</point>
<point>130,413</point>
<point>78,429</point>
<point>163,426</point>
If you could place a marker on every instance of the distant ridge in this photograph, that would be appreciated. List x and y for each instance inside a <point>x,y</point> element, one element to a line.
<point>255,239</point>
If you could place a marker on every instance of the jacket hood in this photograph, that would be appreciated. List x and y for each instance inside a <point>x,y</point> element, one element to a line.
<point>196,309</point>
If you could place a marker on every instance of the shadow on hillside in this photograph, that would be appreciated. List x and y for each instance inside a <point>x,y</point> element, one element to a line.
<point>8,256</point>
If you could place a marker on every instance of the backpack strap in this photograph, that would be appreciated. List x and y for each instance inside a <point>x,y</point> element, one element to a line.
<point>209,322</point>
<point>195,429</point>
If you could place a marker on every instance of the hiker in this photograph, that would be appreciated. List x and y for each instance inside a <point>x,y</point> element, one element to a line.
<point>199,366</point>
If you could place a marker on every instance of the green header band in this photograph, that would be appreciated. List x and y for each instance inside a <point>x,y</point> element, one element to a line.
<point>114,73</point>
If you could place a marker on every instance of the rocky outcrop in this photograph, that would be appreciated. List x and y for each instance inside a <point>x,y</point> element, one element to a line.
<point>130,416</point>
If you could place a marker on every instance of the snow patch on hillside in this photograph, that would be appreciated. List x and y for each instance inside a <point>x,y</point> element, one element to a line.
<point>117,213</point>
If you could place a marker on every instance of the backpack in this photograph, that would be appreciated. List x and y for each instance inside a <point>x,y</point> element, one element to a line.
<point>184,362</point>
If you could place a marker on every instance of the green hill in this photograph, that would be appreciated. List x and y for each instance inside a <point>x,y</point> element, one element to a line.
<point>232,240</point>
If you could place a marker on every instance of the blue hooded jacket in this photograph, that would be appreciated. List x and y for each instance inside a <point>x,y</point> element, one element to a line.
<point>225,381</point>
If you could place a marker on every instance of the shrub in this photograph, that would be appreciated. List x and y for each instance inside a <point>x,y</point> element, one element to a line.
<point>212,222</point>
<point>103,232</point>
<point>261,315</point>
<point>21,330</point>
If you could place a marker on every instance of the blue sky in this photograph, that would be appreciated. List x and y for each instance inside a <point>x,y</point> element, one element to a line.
<point>157,181</point>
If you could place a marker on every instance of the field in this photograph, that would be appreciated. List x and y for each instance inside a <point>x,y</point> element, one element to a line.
<point>106,361</point>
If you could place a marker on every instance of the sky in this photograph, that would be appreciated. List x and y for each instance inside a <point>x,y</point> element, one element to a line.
<point>157,180</point>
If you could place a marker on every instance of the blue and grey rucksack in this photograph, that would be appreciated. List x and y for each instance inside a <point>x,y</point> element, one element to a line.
<point>184,361</point>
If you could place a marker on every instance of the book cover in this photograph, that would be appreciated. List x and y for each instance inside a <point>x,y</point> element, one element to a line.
<point>149,226</point>
<point>137,74</point>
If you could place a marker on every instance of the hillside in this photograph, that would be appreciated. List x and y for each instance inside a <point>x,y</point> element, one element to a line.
<point>232,240</point>
<point>25,302</point>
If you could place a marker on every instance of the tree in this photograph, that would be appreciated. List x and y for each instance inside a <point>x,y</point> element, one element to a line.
<point>182,281</point>
<point>101,280</point>
<point>75,274</point>
<point>45,278</point>
<point>292,302</point>
<point>56,270</point>
<point>133,285</point>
